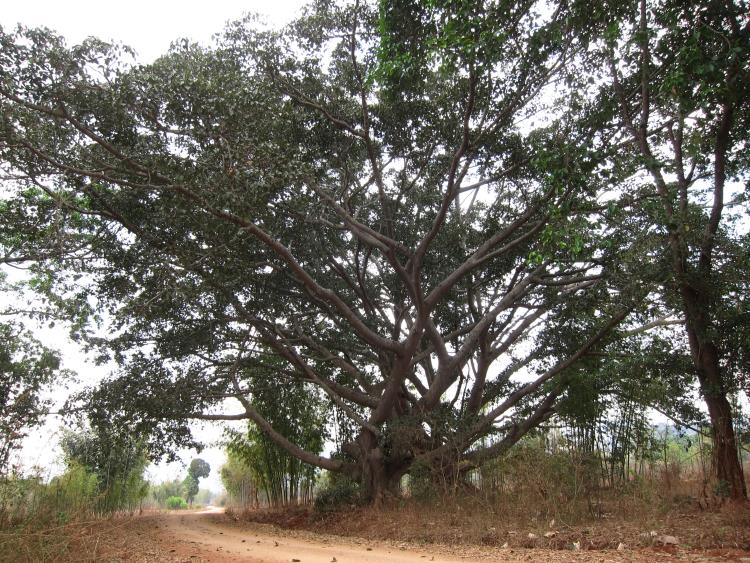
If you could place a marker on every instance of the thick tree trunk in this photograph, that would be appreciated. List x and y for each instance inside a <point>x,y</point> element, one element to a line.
<point>377,480</point>
<point>726,466</point>
<point>372,479</point>
<point>725,460</point>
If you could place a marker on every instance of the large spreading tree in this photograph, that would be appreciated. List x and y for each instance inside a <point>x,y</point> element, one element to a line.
<point>405,220</point>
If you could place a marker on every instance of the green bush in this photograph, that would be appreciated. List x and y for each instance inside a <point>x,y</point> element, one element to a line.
<point>176,503</point>
<point>336,494</point>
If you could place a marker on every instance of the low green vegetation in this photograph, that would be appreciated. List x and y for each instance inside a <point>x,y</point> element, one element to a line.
<point>104,474</point>
<point>176,503</point>
<point>45,519</point>
<point>166,493</point>
<point>117,462</point>
<point>278,478</point>
<point>336,492</point>
<point>160,492</point>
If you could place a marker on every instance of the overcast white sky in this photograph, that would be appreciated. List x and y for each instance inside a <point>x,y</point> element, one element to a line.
<point>149,27</point>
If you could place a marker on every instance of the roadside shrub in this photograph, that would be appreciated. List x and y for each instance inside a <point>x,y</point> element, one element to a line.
<point>556,484</point>
<point>68,497</point>
<point>18,497</point>
<point>336,494</point>
<point>176,503</point>
<point>71,496</point>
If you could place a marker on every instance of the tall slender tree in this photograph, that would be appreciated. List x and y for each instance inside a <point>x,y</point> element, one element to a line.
<point>679,85</point>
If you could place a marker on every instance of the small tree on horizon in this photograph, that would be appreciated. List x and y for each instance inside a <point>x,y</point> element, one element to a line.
<point>197,470</point>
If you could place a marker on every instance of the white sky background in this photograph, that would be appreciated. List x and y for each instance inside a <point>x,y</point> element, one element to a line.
<point>149,27</point>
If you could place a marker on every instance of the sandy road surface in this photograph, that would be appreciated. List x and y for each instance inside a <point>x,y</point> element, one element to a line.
<point>209,536</point>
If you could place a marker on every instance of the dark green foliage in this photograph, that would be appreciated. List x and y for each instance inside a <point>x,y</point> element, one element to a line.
<point>425,218</point>
<point>190,486</point>
<point>199,468</point>
<point>337,493</point>
<point>196,471</point>
<point>424,483</point>
<point>275,168</point>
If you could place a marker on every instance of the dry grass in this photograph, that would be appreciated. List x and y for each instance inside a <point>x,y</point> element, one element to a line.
<point>550,499</point>
<point>628,516</point>
<point>459,522</point>
<point>99,539</point>
<point>559,498</point>
<point>464,523</point>
<point>78,541</point>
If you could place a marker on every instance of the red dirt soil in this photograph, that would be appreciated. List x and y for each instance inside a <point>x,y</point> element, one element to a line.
<point>371,536</point>
<point>405,535</point>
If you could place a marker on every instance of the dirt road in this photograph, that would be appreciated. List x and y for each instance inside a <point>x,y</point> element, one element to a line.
<point>210,536</point>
